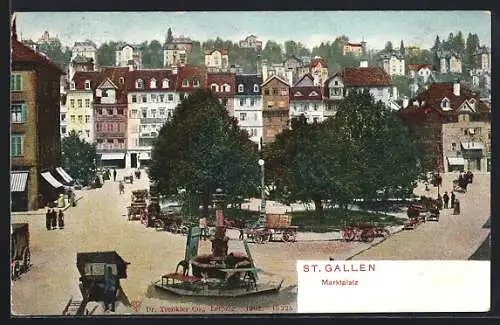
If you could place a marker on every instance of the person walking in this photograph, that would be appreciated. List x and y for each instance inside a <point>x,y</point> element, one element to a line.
<point>452,200</point>
<point>121,188</point>
<point>60,219</point>
<point>110,289</point>
<point>439,202</point>
<point>53,219</point>
<point>114,174</point>
<point>48,221</point>
<point>446,200</point>
<point>456,208</point>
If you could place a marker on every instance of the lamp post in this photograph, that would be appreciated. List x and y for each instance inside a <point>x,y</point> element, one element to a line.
<point>263,190</point>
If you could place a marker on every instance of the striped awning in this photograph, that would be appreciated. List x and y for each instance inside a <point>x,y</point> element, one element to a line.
<point>64,175</point>
<point>112,156</point>
<point>18,181</point>
<point>51,180</point>
<point>456,161</point>
<point>472,145</point>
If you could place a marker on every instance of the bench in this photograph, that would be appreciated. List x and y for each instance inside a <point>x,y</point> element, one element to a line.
<point>249,277</point>
<point>165,279</point>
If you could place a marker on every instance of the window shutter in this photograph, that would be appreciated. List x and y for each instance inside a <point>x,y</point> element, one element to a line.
<point>24,111</point>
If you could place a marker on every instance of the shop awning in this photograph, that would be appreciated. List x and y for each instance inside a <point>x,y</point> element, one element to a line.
<point>64,175</point>
<point>18,181</point>
<point>113,156</point>
<point>456,161</point>
<point>472,146</point>
<point>51,180</point>
<point>144,156</point>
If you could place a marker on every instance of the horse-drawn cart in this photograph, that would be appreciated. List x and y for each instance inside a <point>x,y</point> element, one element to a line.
<point>365,232</point>
<point>276,227</point>
<point>137,208</point>
<point>19,251</point>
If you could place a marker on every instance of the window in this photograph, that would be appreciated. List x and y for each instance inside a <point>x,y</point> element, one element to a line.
<point>152,83</point>
<point>153,98</point>
<point>226,88</point>
<point>87,118</point>
<point>18,113</point>
<point>79,102</point>
<point>315,107</point>
<point>266,92</point>
<point>100,140</point>
<point>275,91</point>
<point>181,96</point>
<point>119,111</point>
<point>121,80</point>
<point>162,112</point>
<point>72,85</point>
<point>144,113</point>
<point>162,98</point>
<point>243,116</point>
<point>63,130</point>
<point>87,84</point>
<point>255,88</point>
<point>165,83</point>
<point>17,145</point>
<point>110,141</point>
<point>63,117</point>
<point>139,84</point>
<point>255,116</point>
<point>284,92</point>
<point>170,97</point>
<point>453,146</point>
<point>445,103</point>
<point>240,88</point>
<point>489,135</point>
<point>87,103</point>
<point>133,113</point>
<point>99,111</point>
<point>185,83</point>
<point>153,113</point>
<point>242,101</point>
<point>134,98</point>
<point>110,111</point>
<point>80,118</point>
<point>170,113</point>
<point>72,103</point>
<point>336,83</point>
<point>214,87</point>
<point>88,133</point>
<point>252,102</point>
<point>72,118</point>
<point>104,93</point>
<point>16,82</point>
<point>144,98</point>
<point>196,83</point>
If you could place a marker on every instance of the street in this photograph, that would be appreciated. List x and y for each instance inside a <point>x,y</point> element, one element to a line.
<point>99,223</point>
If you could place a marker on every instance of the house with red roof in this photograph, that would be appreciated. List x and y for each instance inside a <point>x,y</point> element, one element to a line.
<point>354,48</point>
<point>423,70</point>
<point>190,78</point>
<point>306,98</point>
<point>223,85</point>
<point>35,139</point>
<point>318,68</point>
<point>452,126</point>
<point>217,59</point>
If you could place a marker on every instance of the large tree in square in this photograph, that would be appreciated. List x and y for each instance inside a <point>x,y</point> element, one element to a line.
<point>201,149</point>
<point>79,157</point>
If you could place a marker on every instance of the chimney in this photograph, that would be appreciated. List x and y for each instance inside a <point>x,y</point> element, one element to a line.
<point>456,88</point>
<point>363,63</point>
<point>405,102</point>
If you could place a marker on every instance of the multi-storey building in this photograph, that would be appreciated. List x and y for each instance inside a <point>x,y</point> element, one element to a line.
<point>393,63</point>
<point>177,52</point>
<point>217,60</point>
<point>449,62</point>
<point>275,107</point>
<point>190,79</point>
<point>79,103</point>
<point>63,110</point>
<point>354,48</point>
<point>483,57</point>
<point>152,100</point>
<point>306,98</point>
<point>86,49</point>
<point>423,71</point>
<point>222,84</point>
<point>127,55</point>
<point>80,63</point>
<point>251,42</point>
<point>248,105</point>
<point>452,126</point>
<point>318,69</point>
<point>281,70</point>
<point>35,139</point>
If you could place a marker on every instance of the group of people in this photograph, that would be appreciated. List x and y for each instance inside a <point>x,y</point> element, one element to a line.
<point>54,220</point>
<point>464,179</point>
<point>449,202</point>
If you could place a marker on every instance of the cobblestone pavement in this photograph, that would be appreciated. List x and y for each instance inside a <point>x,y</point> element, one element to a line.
<point>98,223</point>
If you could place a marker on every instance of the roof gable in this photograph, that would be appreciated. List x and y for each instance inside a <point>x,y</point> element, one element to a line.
<point>107,84</point>
<point>306,81</point>
<point>275,77</point>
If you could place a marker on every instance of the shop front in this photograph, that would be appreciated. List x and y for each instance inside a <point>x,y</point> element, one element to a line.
<point>19,190</point>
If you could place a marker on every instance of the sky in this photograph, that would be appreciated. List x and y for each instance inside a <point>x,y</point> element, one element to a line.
<point>417,28</point>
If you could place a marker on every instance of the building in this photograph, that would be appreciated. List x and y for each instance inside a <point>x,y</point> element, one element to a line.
<point>393,63</point>
<point>422,71</point>
<point>80,63</point>
<point>79,115</point>
<point>110,116</point>
<point>223,85</point>
<point>63,110</point>
<point>127,55</point>
<point>354,48</point>
<point>251,42</point>
<point>452,126</point>
<point>177,52</point>
<point>190,78</point>
<point>275,107</point>
<point>483,57</point>
<point>319,70</point>
<point>46,39</point>
<point>306,98</point>
<point>248,105</point>
<point>449,62</point>
<point>86,49</point>
<point>35,139</point>
<point>281,70</point>
<point>152,99</point>
<point>217,60</point>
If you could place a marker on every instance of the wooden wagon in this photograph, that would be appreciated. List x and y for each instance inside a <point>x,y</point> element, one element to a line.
<point>138,205</point>
<point>364,231</point>
<point>275,227</point>
<point>20,257</point>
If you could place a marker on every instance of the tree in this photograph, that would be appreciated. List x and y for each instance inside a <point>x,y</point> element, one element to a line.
<point>471,46</point>
<point>55,51</point>
<point>152,55</point>
<point>202,149</point>
<point>459,43</point>
<point>388,47</point>
<point>402,49</point>
<point>291,48</point>
<point>272,52</point>
<point>106,54</point>
<point>79,157</point>
<point>170,37</point>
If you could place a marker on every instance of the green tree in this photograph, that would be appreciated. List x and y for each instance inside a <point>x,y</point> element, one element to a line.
<point>471,46</point>
<point>388,47</point>
<point>291,48</point>
<point>152,55</point>
<point>434,52</point>
<point>55,51</point>
<point>402,48</point>
<point>106,54</point>
<point>272,52</point>
<point>79,157</point>
<point>459,44</point>
<point>169,37</point>
<point>202,149</point>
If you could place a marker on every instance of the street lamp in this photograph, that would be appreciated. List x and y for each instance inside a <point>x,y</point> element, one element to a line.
<point>263,190</point>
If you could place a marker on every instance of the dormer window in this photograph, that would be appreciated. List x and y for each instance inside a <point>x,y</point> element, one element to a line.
<point>196,83</point>
<point>255,88</point>
<point>240,88</point>
<point>152,83</point>
<point>214,87</point>
<point>72,85</point>
<point>165,83</point>
<point>445,103</point>
<point>185,83</point>
<point>121,80</point>
<point>139,84</point>
<point>87,84</point>
<point>226,88</point>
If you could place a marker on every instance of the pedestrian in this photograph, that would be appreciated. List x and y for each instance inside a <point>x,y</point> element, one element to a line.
<point>48,221</point>
<point>469,176</point>
<point>114,174</point>
<point>452,201</point>
<point>456,209</point>
<point>446,199</point>
<point>439,202</point>
<point>53,219</point>
<point>110,288</point>
<point>131,178</point>
<point>241,234</point>
<point>60,219</point>
<point>121,188</point>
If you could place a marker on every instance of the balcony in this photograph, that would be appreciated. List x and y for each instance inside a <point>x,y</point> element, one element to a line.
<point>153,120</point>
<point>110,118</point>
<point>109,134</point>
<point>148,135</point>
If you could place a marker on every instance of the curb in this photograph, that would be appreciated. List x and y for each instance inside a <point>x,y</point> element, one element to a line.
<point>373,245</point>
